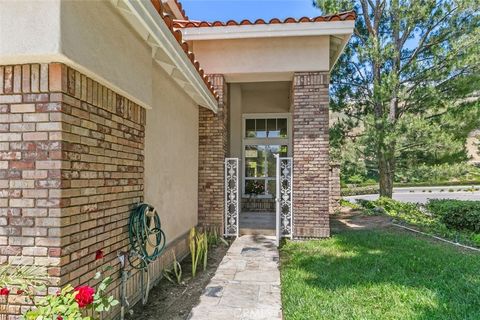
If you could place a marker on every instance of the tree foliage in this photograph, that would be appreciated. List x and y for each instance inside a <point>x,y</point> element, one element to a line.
<point>409,77</point>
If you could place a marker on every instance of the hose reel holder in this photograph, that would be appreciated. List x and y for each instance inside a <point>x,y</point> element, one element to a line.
<point>147,243</point>
<point>147,239</point>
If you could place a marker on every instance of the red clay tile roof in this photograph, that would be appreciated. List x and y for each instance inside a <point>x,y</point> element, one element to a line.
<point>343,16</point>
<point>174,24</point>
<point>169,21</point>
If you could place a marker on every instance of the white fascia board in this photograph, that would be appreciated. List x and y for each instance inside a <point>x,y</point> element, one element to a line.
<point>345,40</point>
<point>269,30</point>
<point>173,6</point>
<point>161,34</point>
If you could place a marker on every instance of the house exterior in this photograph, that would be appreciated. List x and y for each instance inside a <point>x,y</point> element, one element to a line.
<point>105,104</point>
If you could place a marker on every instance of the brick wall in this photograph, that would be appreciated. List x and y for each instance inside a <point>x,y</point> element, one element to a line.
<point>310,154</point>
<point>335,195</point>
<point>71,168</point>
<point>213,146</point>
<point>30,169</point>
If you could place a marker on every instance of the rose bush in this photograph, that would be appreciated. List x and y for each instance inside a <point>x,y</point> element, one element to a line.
<point>84,296</point>
<point>70,303</point>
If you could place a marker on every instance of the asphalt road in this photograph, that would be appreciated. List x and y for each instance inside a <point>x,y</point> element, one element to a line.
<point>423,194</point>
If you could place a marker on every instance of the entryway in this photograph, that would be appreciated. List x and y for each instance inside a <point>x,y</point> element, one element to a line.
<point>257,223</point>
<point>278,223</point>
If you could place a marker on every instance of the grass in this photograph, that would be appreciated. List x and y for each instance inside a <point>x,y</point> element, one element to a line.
<point>378,274</point>
<point>411,214</point>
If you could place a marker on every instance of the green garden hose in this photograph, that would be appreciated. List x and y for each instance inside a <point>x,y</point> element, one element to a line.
<point>147,242</point>
<point>147,239</point>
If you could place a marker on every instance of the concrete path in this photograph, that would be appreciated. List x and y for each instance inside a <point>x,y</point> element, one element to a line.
<point>246,285</point>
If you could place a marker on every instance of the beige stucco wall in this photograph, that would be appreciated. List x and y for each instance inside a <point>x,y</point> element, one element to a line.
<point>263,55</point>
<point>96,36</point>
<point>95,39</point>
<point>171,156</point>
<point>90,36</point>
<point>265,97</point>
<point>28,28</point>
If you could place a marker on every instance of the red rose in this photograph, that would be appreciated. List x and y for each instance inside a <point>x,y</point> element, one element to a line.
<point>20,291</point>
<point>4,292</point>
<point>84,296</point>
<point>99,255</point>
<point>59,318</point>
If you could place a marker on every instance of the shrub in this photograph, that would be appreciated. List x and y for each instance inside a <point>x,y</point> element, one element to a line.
<point>457,214</point>
<point>22,278</point>
<point>355,179</point>
<point>359,190</point>
<point>438,173</point>
<point>417,216</point>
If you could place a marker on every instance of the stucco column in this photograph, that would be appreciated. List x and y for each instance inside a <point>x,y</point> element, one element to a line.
<point>310,154</point>
<point>212,150</point>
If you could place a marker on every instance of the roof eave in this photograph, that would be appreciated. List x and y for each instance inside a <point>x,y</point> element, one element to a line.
<point>269,30</point>
<point>166,50</point>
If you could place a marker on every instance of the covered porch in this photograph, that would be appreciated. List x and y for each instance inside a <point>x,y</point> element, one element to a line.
<point>273,82</point>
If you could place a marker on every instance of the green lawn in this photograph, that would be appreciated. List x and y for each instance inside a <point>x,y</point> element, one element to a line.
<point>380,274</point>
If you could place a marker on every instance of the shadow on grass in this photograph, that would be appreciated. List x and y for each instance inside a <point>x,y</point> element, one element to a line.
<point>379,275</point>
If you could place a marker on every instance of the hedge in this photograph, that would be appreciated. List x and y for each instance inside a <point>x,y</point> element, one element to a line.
<point>457,214</point>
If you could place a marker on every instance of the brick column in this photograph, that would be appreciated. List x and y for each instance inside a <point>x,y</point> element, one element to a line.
<point>30,170</point>
<point>310,154</point>
<point>71,167</point>
<point>213,146</point>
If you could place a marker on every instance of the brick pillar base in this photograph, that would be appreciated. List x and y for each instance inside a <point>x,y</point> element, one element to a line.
<point>310,155</point>
<point>213,144</point>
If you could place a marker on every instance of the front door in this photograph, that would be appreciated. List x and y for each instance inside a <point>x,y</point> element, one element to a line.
<point>265,135</point>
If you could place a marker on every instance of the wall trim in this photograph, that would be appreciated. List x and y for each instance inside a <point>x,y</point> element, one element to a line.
<point>62,58</point>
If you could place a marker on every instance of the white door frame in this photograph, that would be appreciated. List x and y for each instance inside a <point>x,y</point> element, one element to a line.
<point>264,141</point>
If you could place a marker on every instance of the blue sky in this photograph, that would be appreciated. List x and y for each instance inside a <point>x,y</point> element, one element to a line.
<point>223,10</point>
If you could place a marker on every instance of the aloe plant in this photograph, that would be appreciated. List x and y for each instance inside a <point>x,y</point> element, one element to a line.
<point>198,249</point>
<point>205,250</point>
<point>177,269</point>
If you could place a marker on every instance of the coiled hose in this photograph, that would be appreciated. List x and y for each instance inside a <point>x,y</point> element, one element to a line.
<point>147,241</point>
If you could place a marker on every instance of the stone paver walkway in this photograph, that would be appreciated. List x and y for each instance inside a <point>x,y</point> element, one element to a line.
<point>246,285</point>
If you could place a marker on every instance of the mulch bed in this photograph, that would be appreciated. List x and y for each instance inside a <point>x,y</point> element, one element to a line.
<point>171,301</point>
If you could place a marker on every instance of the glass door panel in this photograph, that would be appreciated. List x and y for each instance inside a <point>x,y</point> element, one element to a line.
<point>260,168</point>
<point>254,161</point>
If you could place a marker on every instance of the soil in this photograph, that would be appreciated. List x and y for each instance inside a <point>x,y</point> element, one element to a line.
<point>172,301</point>
<point>352,219</point>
